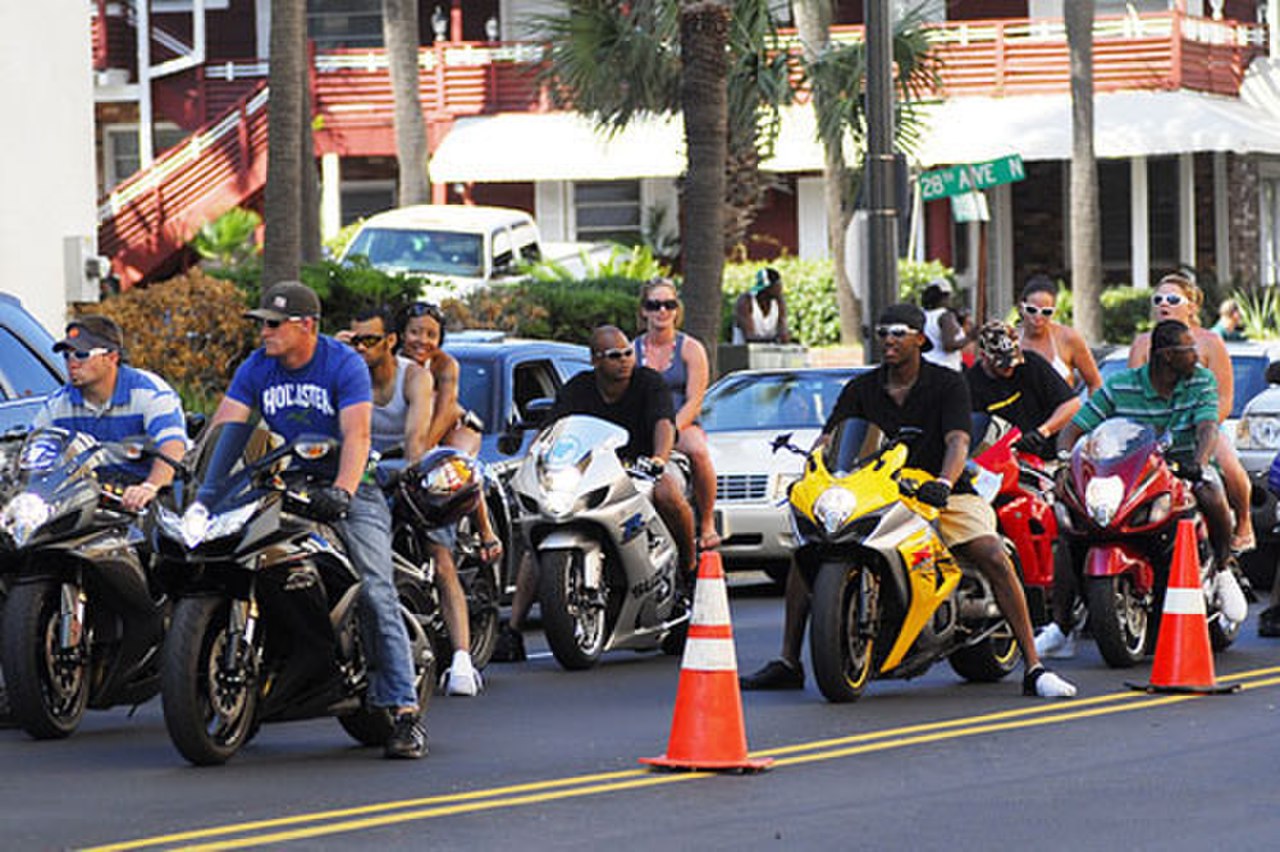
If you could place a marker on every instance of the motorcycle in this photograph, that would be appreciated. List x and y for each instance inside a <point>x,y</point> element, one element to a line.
<point>268,625</point>
<point>1119,508</point>
<point>1024,510</point>
<point>889,598</point>
<point>443,488</point>
<point>82,627</point>
<point>609,569</point>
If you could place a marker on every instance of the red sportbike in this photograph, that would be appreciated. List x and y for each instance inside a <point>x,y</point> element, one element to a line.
<point>1121,504</point>
<point>1024,510</point>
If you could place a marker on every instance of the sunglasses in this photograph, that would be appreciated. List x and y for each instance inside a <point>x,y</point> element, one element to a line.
<point>275,323</point>
<point>616,354</point>
<point>659,304</point>
<point>1032,310</point>
<point>367,341</point>
<point>83,354</point>
<point>1170,299</point>
<point>897,331</point>
<point>425,309</point>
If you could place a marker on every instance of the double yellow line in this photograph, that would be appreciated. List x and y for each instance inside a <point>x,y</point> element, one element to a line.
<point>321,823</point>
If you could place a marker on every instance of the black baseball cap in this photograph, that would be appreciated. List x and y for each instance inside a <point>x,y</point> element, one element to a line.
<point>906,314</point>
<point>91,332</point>
<point>286,300</point>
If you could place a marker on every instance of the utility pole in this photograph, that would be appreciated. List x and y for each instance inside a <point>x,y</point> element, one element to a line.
<point>882,215</point>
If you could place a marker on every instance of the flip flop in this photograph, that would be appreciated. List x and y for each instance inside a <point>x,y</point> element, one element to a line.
<point>709,542</point>
<point>1240,544</point>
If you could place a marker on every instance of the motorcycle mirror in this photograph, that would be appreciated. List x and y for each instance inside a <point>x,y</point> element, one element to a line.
<point>195,424</point>
<point>781,441</point>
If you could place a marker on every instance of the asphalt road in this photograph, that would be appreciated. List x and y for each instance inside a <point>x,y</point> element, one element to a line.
<point>546,759</point>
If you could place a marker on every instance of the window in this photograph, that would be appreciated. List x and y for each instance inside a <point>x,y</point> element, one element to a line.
<point>1162,212</point>
<point>1269,229</point>
<point>120,149</point>
<point>532,380</point>
<point>361,199</point>
<point>607,210</point>
<point>23,373</point>
<point>186,5</point>
<point>344,23</point>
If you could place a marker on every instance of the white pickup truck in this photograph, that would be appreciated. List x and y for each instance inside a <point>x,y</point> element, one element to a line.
<point>460,248</point>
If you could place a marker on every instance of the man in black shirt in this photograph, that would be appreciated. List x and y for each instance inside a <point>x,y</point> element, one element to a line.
<point>636,399</point>
<point>907,391</point>
<point>1020,387</point>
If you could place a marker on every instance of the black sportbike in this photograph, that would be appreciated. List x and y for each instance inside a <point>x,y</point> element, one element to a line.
<point>268,624</point>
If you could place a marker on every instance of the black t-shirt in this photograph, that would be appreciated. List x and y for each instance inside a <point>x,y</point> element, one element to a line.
<point>645,402</point>
<point>938,403</point>
<point>1026,399</point>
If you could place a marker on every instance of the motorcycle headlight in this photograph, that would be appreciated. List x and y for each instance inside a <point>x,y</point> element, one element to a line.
<point>1258,432</point>
<point>196,525</point>
<point>560,484</point>
<point>1102,497</point>
<point>833,508</point>
<point>25,514</point>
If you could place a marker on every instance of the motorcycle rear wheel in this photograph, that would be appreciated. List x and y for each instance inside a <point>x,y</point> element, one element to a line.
<point>1119,620</point>
<point>208,716</point>
<point>483,613</point>
<point>47,697</point>
<point>372,726</point>
<point>575,626</point>
<point>842,660</point>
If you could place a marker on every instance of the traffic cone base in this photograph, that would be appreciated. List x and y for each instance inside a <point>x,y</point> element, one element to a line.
<point>707,729</point>
<point>1184,654</point>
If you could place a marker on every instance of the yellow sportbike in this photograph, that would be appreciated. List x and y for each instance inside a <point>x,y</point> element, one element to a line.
<point>889,598</point>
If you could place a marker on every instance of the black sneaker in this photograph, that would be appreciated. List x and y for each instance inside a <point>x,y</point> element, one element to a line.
<point>1269,622</point>
<point>510,646</point>
<point>776,674</point>
<point>409,739</point>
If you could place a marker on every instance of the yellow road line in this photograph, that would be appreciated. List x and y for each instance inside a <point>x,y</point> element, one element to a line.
<point>378,815</point>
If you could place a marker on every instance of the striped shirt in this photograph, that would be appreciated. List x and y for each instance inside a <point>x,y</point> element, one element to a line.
<point>1129,394</point>
<point>141,404</point>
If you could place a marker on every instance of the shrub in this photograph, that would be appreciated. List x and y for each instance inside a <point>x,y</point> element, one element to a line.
<point>554,310</point>
<point>1125,312</point>
<point>345,290</point>
<point>190,330</point>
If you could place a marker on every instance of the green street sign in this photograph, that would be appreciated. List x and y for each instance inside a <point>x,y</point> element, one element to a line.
<point>971,177</point>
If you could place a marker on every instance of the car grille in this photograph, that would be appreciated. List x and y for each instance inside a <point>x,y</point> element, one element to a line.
<point>739,487</point>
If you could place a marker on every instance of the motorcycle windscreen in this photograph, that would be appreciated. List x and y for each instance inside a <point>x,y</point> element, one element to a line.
<point>567,441</point>
<point>1119,447</point>
<point>219,463</point>
<point>853,441</point>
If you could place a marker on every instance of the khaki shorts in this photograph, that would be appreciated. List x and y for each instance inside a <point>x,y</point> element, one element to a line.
<point>967,517</point>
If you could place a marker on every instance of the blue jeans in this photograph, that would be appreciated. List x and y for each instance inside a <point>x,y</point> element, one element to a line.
<point>366,531</point>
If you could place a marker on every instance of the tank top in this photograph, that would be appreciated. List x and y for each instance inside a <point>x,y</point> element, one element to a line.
<point>1056,361</point>
<point>937,355</point>
<point>387,427</point>
<point>766,324</point>
<point>675,376</point>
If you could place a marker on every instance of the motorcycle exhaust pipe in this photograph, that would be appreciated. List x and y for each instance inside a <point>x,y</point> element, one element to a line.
<point>975,609</point>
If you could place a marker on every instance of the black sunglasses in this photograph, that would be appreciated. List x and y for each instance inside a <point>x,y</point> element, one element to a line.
<point>425,309</point>
<point>659,304</point>
<point>367,341</point>
<point>275,323</point>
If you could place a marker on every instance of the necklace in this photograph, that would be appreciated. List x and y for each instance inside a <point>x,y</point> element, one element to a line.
<point>658,356</point>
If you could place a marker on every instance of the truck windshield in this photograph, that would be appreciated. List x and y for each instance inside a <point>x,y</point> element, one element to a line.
<point>421,252</point>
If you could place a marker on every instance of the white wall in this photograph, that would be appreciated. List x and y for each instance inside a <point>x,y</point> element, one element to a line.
<point>47,161</point>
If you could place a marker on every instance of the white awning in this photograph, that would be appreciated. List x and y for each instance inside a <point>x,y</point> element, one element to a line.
<point>565,146</point>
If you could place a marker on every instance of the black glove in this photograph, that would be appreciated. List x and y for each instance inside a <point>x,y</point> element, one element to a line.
<point>934,493</point>
<point>650,466</point>
<point>1033,443</point>
<point>329,504</point>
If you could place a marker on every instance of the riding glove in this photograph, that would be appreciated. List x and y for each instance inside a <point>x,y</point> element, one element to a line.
<point>329,504</point>
<point>934,493</point>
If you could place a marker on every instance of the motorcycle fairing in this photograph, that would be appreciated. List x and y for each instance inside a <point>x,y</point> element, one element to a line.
<point>1112,560</point>
<point>933,575</point>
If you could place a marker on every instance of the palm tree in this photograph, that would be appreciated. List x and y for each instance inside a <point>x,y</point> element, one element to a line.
<point>282,201</point>
<point>400,33</point>
<point>1086,247</point>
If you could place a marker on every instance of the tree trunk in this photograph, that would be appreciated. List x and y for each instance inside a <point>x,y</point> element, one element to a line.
<point>282,201</point>
<point>400,33</point>
<point>1086,246</point>
<point>813,23</point>
<point>308,171</point>
<point>704,38</point>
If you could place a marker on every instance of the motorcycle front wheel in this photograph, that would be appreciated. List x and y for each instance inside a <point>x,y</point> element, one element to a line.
<point>48,686</point>
<point>573,616</point>
<point>209,708</point>
<point>1119,618</point>
<point>842,659</point>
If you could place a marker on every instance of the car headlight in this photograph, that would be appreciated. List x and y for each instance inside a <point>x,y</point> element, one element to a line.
<point>25,514</point>
<point>833,508</point>
<point>1102,497</point>
<point>1258,432</point>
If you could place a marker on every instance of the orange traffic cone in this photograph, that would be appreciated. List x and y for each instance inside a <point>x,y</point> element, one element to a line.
<point>1184,656</point>
<point>707,731</point>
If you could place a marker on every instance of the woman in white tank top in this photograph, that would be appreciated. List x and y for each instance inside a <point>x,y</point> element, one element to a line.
<point>943,327</point>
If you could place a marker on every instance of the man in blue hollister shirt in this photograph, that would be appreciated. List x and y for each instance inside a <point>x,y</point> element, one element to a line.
<point>301,381</point>
<point>112,401</point>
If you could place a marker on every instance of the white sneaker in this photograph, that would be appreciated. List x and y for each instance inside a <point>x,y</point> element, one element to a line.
<point>1231,600</point>
<point>460,682</point>
<point>1053,644</point>
<point>1042,683</point>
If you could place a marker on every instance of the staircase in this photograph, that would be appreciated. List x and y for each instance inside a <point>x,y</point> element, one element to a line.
<point>149,218</point>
